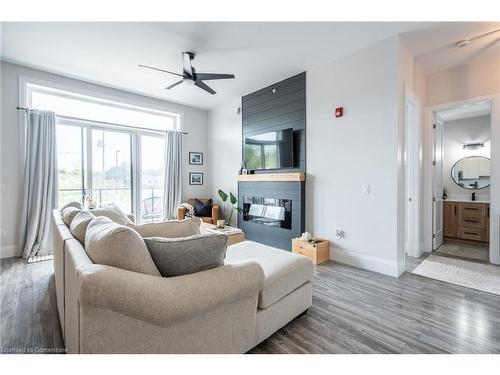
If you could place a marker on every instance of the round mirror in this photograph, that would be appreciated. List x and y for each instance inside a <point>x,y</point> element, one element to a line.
<point>472,172</point>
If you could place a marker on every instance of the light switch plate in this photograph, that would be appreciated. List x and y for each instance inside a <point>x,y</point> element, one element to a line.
<point>366,189</point>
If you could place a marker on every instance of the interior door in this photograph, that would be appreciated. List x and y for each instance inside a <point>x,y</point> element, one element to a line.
<point>437,206</point>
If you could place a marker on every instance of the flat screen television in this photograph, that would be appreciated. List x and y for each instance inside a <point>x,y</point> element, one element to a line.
<point>272,150</point>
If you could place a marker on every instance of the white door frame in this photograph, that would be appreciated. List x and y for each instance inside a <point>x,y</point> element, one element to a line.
<point>412,164</point>
<point>494,99</point>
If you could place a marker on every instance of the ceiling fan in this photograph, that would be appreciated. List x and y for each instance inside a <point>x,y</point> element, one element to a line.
<point>189,74</point>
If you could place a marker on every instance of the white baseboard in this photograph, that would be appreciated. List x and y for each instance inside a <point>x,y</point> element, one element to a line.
<point>367,262</point>
<point>8,251</point>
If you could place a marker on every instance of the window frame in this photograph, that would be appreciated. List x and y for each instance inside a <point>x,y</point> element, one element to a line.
<point>28,85</point>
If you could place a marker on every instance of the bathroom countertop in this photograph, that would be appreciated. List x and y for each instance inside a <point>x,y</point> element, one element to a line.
<point>465,201</point>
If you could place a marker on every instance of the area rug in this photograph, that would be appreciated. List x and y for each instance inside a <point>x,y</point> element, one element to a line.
<point>484,277</point>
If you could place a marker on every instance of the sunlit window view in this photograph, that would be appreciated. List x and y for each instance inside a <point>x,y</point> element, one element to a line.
<point>112,168</point>
<point>96,159</point>
<point>152,167</point>
<point>70,164</point>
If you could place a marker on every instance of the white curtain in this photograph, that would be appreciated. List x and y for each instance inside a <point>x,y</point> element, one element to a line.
<point>39,185</point>
<point>173,174</point>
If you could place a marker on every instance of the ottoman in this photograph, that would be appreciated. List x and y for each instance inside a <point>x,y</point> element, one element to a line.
<point>287,290</point>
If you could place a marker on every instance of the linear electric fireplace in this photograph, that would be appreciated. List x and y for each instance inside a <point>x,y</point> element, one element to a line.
<point>272,212</point>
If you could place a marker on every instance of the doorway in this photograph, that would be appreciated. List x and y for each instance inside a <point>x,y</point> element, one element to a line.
<point>462,180</point>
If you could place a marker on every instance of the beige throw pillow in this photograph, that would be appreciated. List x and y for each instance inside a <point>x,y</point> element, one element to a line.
<point>68,214</point>
<point>72,204</point>
<point>169,229</point>
<point>78,226</point>
<point>109,243</point>
<point>113,212</point>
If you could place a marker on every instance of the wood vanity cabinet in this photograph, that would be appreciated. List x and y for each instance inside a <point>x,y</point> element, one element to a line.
<point>466,221</point>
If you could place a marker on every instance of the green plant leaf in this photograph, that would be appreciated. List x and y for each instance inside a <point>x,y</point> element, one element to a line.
<point>238,209</point>
<point>232,198</point>
<point>222,195</point>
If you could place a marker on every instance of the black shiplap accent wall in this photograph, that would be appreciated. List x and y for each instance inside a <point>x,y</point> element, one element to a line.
<point>263,112</point>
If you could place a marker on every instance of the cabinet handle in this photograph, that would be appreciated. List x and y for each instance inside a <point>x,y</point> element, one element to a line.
<point>472,209</point>
<point>471,221</point>
<point>455,210</point>
<point>474,234</point>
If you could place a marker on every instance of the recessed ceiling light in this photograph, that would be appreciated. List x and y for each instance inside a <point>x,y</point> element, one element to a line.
<point>463,43</point>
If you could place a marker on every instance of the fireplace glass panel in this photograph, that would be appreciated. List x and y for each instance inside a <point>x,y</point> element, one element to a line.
<point>272,212</point>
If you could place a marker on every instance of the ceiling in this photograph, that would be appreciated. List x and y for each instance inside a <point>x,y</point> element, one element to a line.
<point>466,111</point>
<point>435,48</point>
<point>257,53</point>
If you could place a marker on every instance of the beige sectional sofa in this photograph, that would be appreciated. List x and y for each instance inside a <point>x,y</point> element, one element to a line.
<point>228,309</point>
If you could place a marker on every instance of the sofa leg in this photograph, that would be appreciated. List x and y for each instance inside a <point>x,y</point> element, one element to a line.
<point>303,313</point>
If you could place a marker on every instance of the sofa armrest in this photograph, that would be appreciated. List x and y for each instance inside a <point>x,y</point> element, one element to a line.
<point>167,301</point>
<point>181,213</point>
<point>215,213</point>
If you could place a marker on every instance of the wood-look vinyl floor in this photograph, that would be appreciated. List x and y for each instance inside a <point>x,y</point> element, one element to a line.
<point>354,311</point>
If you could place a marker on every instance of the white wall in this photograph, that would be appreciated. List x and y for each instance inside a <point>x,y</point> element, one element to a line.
<point>478,78</point>
<point>224,148</point>
<point>360,148</point>
<point>456,133</point>
<point>194,122</point>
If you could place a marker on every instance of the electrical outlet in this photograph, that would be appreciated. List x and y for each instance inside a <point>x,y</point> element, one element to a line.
<point>340,234</point>
<point>2,233</point>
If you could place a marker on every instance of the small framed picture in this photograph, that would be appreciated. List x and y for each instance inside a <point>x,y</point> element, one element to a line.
<point>195,178</point>
<point>196,158</point>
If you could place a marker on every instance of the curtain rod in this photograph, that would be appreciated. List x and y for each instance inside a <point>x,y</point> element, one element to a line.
<point>97,122</point>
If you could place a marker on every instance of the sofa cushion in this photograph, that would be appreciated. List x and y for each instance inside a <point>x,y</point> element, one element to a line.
<point>73,204</point>
<point>182,256</point>
<point>169,229</point>
<point>68,214</point>
<point>203,209</point>
<point>113,212</point>
<point>112,244</point>
<point>79,225</point>
<point>284,271</point>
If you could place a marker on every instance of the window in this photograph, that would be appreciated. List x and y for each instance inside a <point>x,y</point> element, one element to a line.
<point>112,150</point>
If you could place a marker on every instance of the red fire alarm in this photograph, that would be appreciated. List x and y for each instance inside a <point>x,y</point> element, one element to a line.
<point>339,111</point>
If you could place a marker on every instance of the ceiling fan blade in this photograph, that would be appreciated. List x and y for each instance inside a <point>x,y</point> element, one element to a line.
<point>208,76</point>
<point>174,84</point>
<point>205,87</point>
<point>160,70</point>
<point>186,63</point>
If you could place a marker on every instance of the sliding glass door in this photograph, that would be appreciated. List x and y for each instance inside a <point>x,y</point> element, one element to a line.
<point>152,177</point>
<point>120,166</point>
<point>112,168</point>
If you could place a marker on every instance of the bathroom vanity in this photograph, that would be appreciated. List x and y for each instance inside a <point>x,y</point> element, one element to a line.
<point>467,221</point>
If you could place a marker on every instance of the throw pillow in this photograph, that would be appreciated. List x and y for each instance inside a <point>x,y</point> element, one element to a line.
<point>203,209</point>
<point>113,212</point>
<point>182,256</point>
<point>79,224</point>
<point>112,244</point>
<point>68,214</point>
<point>72,204</point>
<point>169,229</point>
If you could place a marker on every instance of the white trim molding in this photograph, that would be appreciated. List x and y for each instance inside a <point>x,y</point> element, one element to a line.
<point>8,251</point>
<point>367,262</point>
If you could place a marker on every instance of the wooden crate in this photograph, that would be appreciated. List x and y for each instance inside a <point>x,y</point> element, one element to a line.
<point>318,252</point>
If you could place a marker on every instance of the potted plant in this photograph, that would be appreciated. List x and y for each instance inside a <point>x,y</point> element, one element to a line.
<point>234,204</point>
